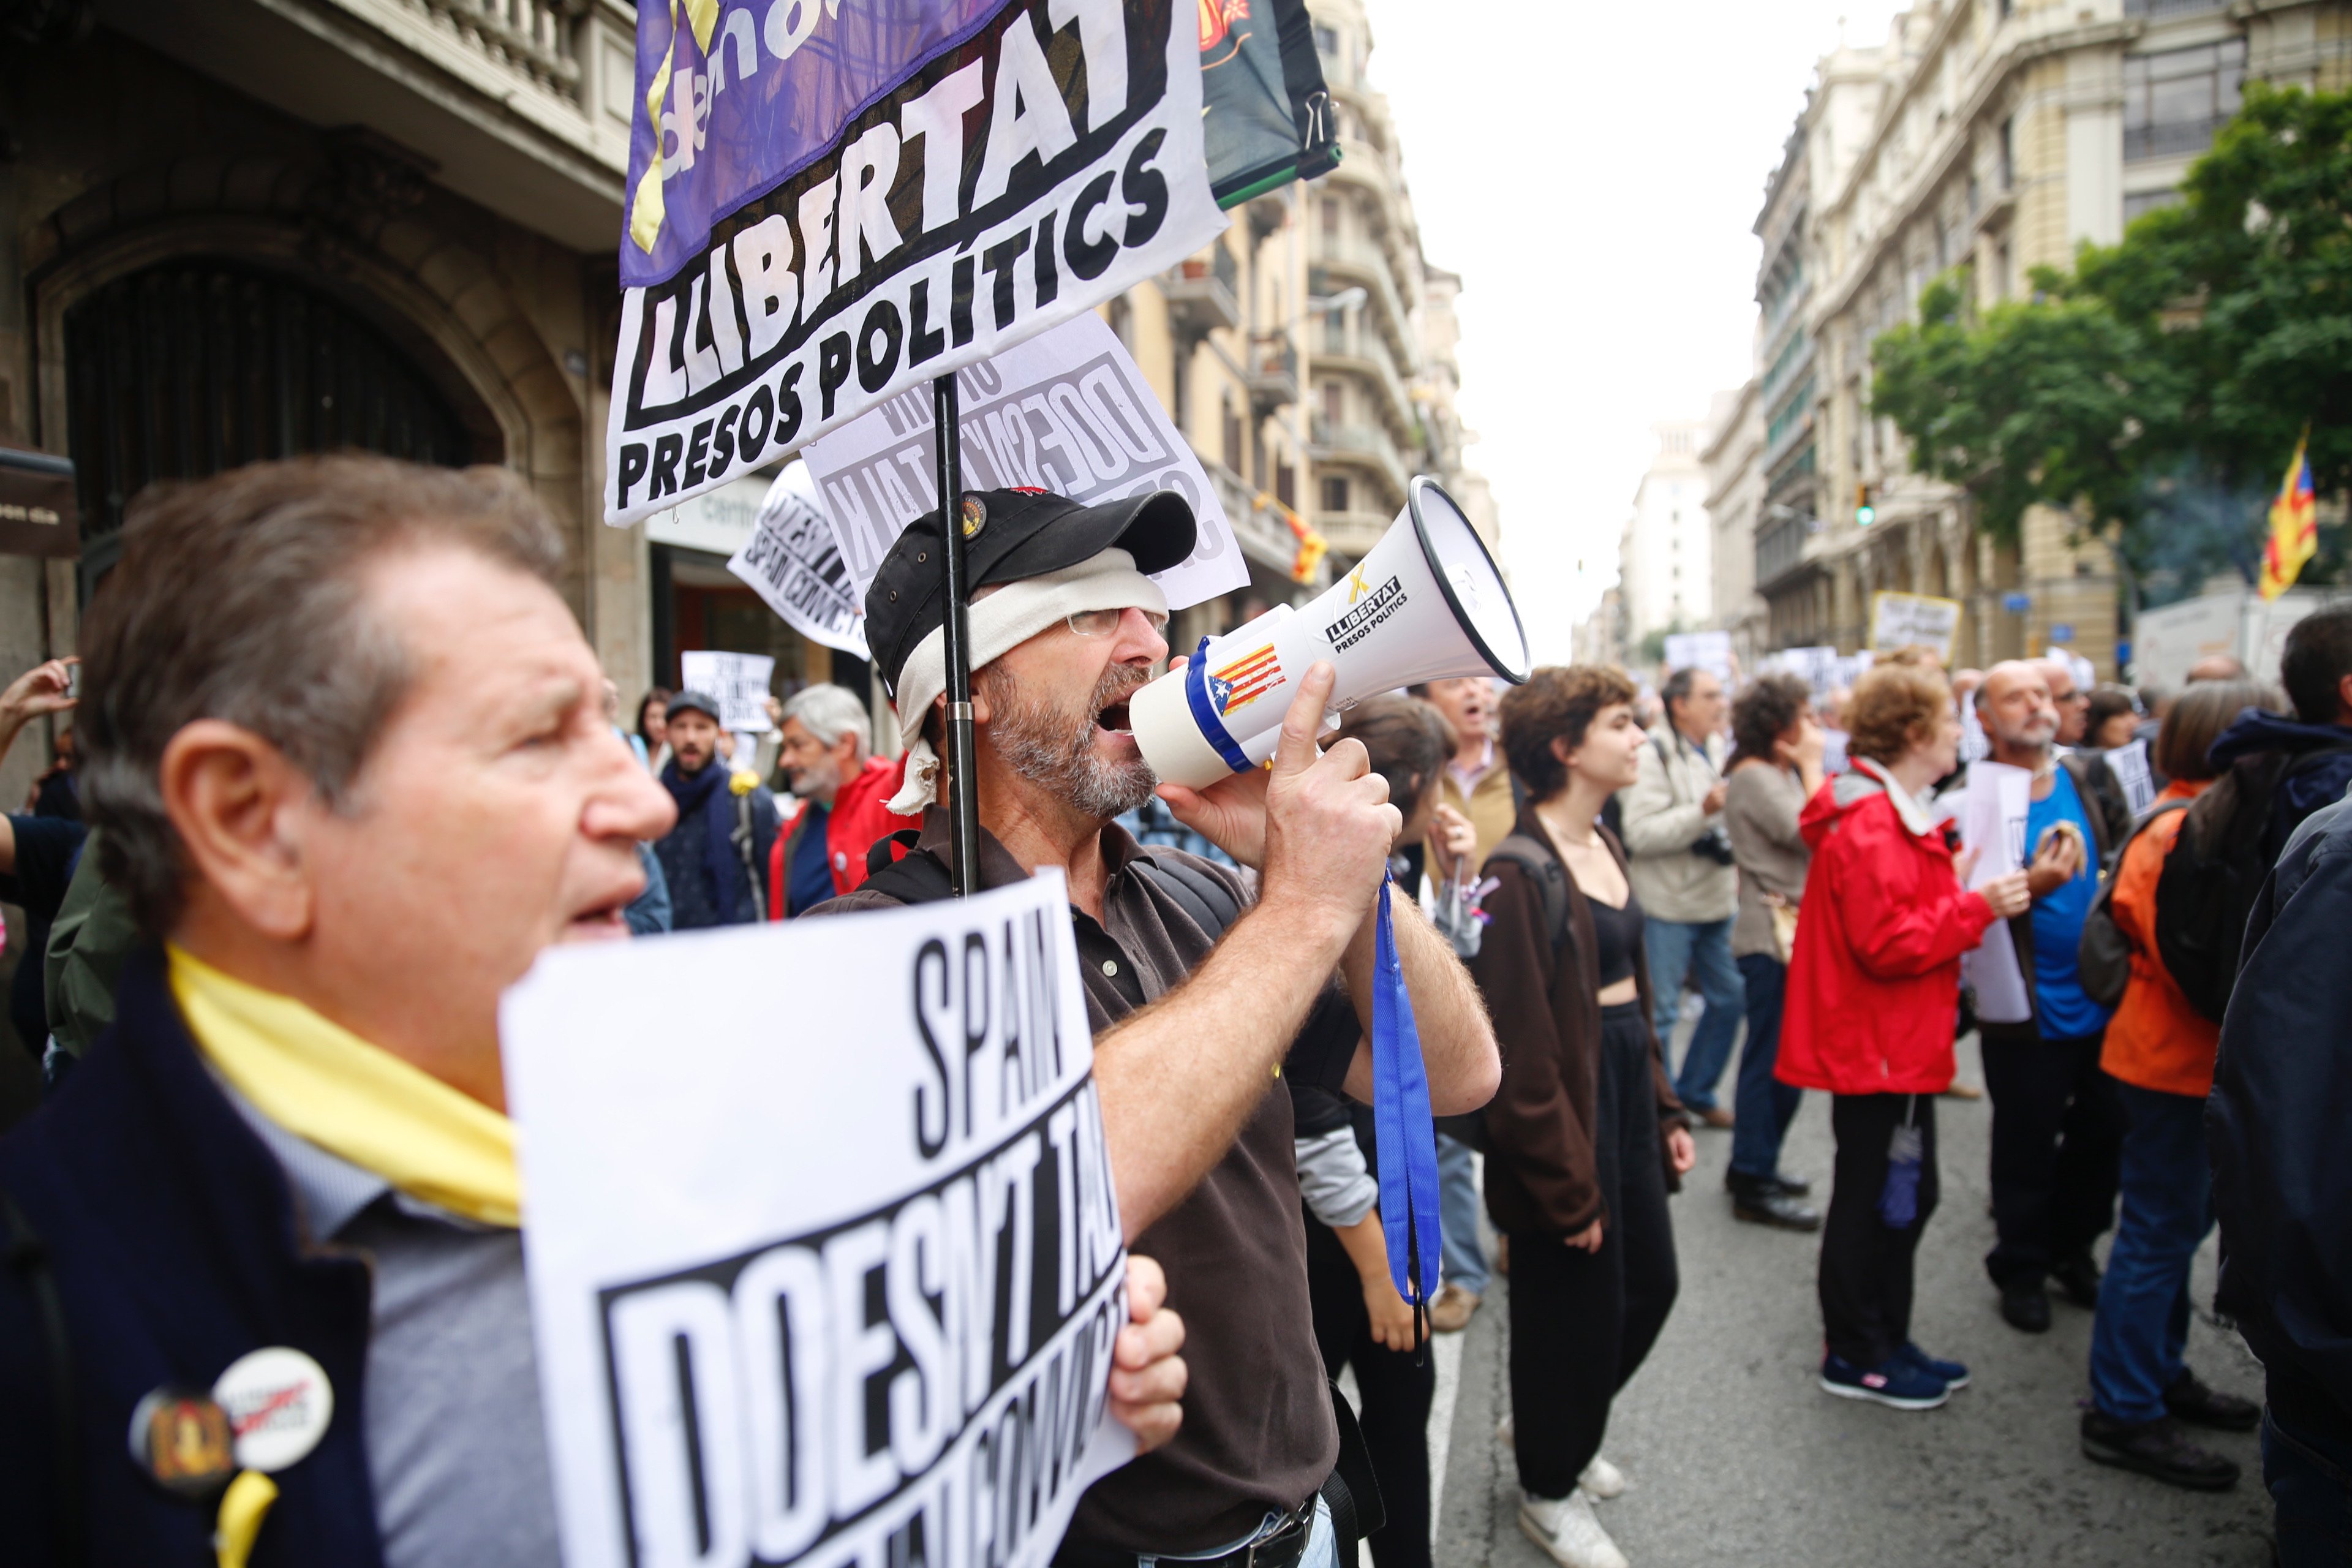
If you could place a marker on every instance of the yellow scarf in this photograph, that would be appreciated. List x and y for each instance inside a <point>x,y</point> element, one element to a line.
<point>325,1085</point>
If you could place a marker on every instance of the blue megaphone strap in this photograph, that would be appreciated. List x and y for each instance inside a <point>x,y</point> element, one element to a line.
<point>1406,1138</point>
<point>1206,714</point>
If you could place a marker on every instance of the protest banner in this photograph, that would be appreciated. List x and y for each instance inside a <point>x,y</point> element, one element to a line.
<point>1993,823</point>
<point>843,202</point>
<point>1710,651</point>
<point>738,681</point>
<point>1067,411</point>
<point>792,561</point>
<point>1818,667</point>
<point>1909,620</point>
<point>800,1305</point>
<point>2130,766</point>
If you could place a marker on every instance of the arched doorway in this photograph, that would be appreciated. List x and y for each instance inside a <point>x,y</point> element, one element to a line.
<point>197,365</point>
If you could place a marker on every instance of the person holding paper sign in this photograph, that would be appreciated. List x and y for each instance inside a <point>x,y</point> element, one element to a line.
<point>347,747</point>
<point>1206,987</point>
<point>1872,993</point>
<point>2057,1122</point>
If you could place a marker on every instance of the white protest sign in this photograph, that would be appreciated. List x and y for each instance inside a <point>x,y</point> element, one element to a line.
<point>1906,620</point>
<point>2132,771</point>
<point>1067,411</point>
<point>1710,651</point>
<point>738,683</point>
<point>1975,744</point>
<point>1049,161</point>
<point>1992,822</point>
<point>2085,677</point>
<point>1817,666</point>
<point>791,562</point>
<point>800,1305</point>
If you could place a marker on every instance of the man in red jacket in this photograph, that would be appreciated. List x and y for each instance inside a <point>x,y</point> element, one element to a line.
<point>822,743</point>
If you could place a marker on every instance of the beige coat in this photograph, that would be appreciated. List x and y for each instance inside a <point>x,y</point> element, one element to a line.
<point>1661,817</point>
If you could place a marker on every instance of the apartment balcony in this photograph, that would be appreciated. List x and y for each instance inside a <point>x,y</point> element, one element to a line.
<point>1362,355</point>
<point>1203,292</point>
<point>1362,444</point>
<point>1352,534</point>
<point>1260,530</point>
<point>2145,144</point>
<point>1335,262</point>
<point>2155,9</point>
<point>1273,375</point>
<point>1367,168</point>
<point>523,106</point>
<point>1780,551</point>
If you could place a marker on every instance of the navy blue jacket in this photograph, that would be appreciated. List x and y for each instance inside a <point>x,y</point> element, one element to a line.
<point>2274,1127</point>
<point>171,1234</point>
<point>2304,789</point>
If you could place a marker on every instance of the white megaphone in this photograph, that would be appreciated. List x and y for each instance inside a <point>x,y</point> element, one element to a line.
<point>1425,605</point>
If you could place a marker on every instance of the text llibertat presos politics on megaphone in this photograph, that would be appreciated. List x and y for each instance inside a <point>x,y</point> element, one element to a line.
<point>1426,604</point>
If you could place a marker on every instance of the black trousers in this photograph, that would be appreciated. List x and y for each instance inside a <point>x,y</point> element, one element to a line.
<point>1582,1322</point>
<point>2057,1151</point>
<point>1866,1266</point>
<point>1395,1393</point>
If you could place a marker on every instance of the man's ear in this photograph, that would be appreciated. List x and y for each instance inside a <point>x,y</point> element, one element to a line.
<point>2343,697</point>
<point>237,806</point>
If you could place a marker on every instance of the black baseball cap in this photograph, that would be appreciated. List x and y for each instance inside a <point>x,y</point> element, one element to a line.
<point>1010,535</point>
<point>698,701</point>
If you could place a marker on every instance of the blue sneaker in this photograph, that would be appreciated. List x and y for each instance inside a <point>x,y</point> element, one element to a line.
<point>1952,1374</point>
<point>1897,1385</point>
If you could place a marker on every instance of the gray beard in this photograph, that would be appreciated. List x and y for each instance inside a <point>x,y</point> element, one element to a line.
<point>1054,750</point>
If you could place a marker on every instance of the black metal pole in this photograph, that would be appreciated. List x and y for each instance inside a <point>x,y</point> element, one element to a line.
<point>963,803</point>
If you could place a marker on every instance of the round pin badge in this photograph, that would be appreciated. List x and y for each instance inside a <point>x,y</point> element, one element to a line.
<point>975,515</point>
<point>181,1437</point>
<point>278,1404</point>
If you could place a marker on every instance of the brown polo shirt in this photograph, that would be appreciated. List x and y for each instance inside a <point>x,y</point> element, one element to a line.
<point>1257,1434</point>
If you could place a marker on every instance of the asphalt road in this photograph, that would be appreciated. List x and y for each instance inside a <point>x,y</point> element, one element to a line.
<point>1736,1456</point>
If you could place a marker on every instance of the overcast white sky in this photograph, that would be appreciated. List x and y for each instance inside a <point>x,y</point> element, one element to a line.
<point>1592,172</point>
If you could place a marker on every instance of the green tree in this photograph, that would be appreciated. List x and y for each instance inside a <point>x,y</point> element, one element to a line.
<point>2192,354</point>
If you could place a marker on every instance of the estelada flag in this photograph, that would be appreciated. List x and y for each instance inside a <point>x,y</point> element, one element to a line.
<point>2294,526</point>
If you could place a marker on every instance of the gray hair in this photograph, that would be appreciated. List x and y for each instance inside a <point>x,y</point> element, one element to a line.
<point>829,712</point>
<point>241,598</point>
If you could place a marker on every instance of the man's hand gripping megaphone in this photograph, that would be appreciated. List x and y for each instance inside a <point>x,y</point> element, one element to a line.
<point>1317,826</point>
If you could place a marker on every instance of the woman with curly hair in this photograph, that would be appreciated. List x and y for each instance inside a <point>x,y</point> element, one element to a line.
<point>1873,990</point>
<point>1585,1135</point>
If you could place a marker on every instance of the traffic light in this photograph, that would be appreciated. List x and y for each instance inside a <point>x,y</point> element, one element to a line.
<point>1864,511</point>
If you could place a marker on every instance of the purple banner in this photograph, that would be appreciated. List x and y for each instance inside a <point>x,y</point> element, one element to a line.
<point>734,96</point>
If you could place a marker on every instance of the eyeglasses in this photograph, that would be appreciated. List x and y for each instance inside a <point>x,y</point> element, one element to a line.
<point>1104,623</point>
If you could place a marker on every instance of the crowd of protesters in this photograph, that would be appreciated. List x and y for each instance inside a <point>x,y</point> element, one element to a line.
<point>338,711</point>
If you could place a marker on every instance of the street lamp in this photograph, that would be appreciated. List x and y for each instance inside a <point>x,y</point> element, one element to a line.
<point>1779,513</point>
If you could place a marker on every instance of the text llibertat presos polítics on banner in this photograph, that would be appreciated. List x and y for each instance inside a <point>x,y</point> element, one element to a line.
<point>1067,411</point>
<point>802,1304</point>
<point>1050,161</point>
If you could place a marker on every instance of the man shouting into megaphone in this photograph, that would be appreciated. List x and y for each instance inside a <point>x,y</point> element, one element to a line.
<point>1203,985</point>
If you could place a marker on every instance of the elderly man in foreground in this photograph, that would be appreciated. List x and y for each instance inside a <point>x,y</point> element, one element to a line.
<point>347,747</point>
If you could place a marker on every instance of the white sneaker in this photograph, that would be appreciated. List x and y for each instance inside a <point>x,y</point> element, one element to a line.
<point>1602,1480</point>
<point>1565,1528</point>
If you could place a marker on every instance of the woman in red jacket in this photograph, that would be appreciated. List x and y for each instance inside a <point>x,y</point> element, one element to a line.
<point>1874,986</point>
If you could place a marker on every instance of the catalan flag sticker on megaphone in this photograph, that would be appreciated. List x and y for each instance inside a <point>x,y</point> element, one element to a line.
<point>1426,604</point>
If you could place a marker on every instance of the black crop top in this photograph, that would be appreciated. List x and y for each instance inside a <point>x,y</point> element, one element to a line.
<point>1617,932</point>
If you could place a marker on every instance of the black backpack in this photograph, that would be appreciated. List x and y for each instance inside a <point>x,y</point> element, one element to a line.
<point>2103,960</point>
<point>919,878</point>
<point>2213,874</point>
<point>1537,860</point>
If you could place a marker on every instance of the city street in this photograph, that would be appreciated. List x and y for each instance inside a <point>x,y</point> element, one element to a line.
<point>1736,1456</point>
